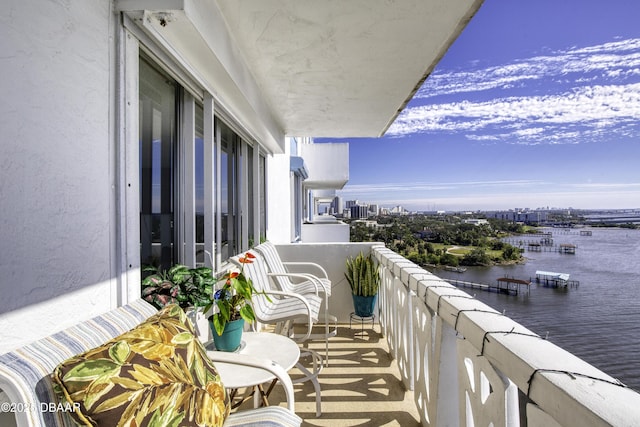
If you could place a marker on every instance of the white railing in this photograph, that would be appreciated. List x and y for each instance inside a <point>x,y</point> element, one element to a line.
<point>469,365</point>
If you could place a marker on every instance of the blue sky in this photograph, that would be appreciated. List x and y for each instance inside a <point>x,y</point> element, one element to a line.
<point>536,104</point>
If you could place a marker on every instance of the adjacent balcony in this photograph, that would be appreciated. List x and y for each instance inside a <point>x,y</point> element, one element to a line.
<point>439,357</point>
<point>328,165</point>
<point>328,170</point>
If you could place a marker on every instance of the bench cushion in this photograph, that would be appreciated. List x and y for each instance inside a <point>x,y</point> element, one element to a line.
<point>158,371</point>
<point>25,373</point>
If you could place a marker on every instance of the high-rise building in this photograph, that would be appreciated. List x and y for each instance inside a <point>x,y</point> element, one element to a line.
<point>359,212</point>
<point>336,206</point>
<point>350,203</point>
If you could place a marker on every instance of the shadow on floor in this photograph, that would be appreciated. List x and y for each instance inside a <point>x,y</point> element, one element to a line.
<point>360,387</point>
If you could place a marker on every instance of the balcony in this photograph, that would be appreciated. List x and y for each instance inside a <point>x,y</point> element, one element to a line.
<point>328,165</point>
<point>440,357</point>
<point>325,228</point>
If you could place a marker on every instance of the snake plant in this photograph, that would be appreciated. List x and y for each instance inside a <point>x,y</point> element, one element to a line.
<point>363,275</point>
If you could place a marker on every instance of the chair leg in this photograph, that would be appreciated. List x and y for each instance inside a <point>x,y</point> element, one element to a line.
<point>327,332</point>
<point>312,375</point>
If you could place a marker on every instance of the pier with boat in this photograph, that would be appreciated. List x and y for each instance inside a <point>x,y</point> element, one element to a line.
<point>513,286</point>
<point>555,280</point>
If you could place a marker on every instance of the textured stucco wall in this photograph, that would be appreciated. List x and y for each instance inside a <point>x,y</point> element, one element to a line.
<point>56,195</point>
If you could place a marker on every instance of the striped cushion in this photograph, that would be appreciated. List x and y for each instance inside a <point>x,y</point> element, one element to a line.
<point>285,309</point>
<point>269,310</point>
<point>25,372</point>
<point>308,287</point>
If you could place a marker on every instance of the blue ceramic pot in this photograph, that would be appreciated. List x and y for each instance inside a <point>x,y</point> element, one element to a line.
<point>364,306</point>
<point>231,336</point>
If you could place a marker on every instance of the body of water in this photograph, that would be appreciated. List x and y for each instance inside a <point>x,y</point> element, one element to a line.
<point>599,321</point>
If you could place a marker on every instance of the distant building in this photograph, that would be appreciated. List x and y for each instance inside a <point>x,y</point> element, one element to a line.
<point>398,210</point>
<point>359,211</point>
<point>336,206</point>
<point>349,203</point>
<point>525,217</point>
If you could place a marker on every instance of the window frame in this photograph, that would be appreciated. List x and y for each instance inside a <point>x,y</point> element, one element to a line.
<point>132,43</point>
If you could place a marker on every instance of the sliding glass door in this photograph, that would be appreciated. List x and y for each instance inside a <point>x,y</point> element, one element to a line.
<point>176,160</point>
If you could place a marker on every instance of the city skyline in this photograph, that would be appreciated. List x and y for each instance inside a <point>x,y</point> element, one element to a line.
<point>534,105</point>
<point>360,202</point>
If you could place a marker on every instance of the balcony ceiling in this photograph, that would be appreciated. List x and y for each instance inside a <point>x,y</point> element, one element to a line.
<point>342,68</point>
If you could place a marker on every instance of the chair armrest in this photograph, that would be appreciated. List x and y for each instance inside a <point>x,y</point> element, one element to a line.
<point>257,362</point>
<point>312,264</point>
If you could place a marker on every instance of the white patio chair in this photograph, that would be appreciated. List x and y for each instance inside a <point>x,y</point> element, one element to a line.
<point>307,283</point>
<point>283,309</point>
<point>272,306</point>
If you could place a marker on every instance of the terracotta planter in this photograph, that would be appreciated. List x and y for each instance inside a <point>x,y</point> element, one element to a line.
<point>231,336</point>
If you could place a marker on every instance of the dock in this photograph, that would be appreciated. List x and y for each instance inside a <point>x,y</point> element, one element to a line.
<point>555,280</point>
<point>503,285</point>
<point>543,245</point>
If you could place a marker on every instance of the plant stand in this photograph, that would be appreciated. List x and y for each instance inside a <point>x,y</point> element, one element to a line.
<point>362,320</point>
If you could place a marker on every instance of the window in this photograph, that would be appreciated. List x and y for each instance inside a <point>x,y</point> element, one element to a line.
<point>157,166</point>
<point>174,140</point>
<point>228,190</point>
<point>262,180</point>
<point>251,206</point>
<point>199,169</point>
<point>175,162</point>
<point>297,202</point>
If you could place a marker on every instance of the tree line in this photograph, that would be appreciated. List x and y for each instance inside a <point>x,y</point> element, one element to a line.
<point>432,240</point>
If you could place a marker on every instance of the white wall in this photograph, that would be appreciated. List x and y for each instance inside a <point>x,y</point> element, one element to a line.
<point>279,198</point>
<point>56,166</point>
<point>334,231</point>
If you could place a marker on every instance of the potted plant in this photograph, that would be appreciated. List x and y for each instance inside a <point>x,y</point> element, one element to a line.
<point>233,307</point>
<point>187,287</point>
<point>363,275</point>
<point>190,288</point>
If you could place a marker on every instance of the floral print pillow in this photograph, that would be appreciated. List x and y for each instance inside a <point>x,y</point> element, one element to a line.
<point>157,374</point>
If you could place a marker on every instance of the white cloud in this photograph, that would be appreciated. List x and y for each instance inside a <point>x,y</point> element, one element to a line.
<point>578,94</point>
<point>615,59</point>
<point>531,119</point>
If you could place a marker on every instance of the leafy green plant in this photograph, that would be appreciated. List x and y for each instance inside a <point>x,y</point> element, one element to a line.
<point>363,275</point>
<point>187,287</point>
<point>234,297</point>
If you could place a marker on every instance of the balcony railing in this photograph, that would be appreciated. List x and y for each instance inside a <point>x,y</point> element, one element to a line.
<point>469,364</point>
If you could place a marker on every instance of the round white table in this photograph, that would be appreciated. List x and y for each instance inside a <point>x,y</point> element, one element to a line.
<point>277,348</point>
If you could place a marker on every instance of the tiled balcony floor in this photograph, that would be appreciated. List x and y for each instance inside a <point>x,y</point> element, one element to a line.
<point>361,386</point>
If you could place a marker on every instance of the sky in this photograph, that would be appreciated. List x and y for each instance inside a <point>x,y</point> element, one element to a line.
<point>535,105</point>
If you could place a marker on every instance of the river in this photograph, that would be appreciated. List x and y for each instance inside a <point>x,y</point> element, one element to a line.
<point>599,321</point>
